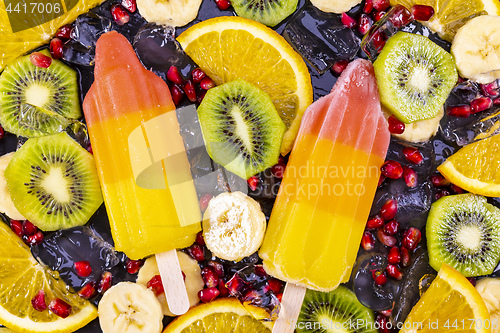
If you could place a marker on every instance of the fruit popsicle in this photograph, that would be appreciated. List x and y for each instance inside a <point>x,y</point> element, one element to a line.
<point>328,187</point>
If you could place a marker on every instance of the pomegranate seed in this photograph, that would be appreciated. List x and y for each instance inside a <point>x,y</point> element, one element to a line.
<point>380,278</point>
<point>105,282</point>
<point>405,257</point>
<point>410,177</point>
<point>379,5</point>
<point>156,285</point>
<point>217,267</point>
<point>177,94</point>
<point>422,12</point>
<point>56,48</point>
<point>223,4</point>
<point>496,101</point>
<point>60,308</point>
<point>480,104</point>
<point>236,285</point>
<point>279,297</point>
<point>392,169</point>
<point>29,228</point>
<point>278,170</point>
<point>439,181</point>
<point>210,277</point>
<point>394,272</point>
<point>387,313</point>
<point>461,111</point>
<point>199,238</point>
<point>382,324</point>
<point>2,132</point>
<point>381,180</point>
<point>190,91</point>
<point>204,200</point>
<point>40,60</point>
<point>348,21</point>
<point>388,241</point>
<point>133,266</point>
<point>368,6</point>
<point>339,66</point>
<point>183,276</point>
<point>88,291</point>
<point>89,149</point>
<point>389,209</point>
<point>456,189</point>
<point>413,155</point>
<point>378,38</point>
<point>365,22</point>
<point>130,5</point>
<point>82,268</point>
<point>64,32</point>
<point>391,228</point>
<point>400,16</point>
<point>17,227</point>
<point>252,182</point>
<point>208,295</point>
<point>490,89</point>
<point>368,241</point>
<point>472,280</point>
<point>375,222</point>
<point>260,271</point>
<point>224,292</point>
<point>198,74</point>
<point>394,256</point>
<point>441,193</point>
<point>174,75</point>
<point>395,125</point>
<point>251,295</point>
<point>201,96</point>
<point>196,252</point>
<point>275,285</point>
<point>120,15</point>
<point>207,83</point>
<point>378,15</point>
<point>411,238</point>
<point>35,239</point>
<point>38,301</point>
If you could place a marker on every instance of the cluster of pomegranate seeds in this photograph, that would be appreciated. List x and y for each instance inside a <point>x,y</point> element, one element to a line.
<point>396,126</point>
<point>444,187</point>
<point>104,282</point>
<point>394,170</point>
<point>422,12</point>
<point>133,266</point>
<point>60,308</point>
<point>194,88</point>
<point>88,290</point>
<point>223,4</point>
<point>490,95</point>
<point>82,268</point>
<point>40,60</point>
<point>27,231</point>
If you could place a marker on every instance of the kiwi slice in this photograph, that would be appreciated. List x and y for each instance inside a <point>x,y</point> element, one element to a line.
<point>49,94</point>
<point>463,231</point>
<point>414,76</point>
<point>268,12</point>
<point>241,128</point>
<point>335,311</point>
<point>53,182</point>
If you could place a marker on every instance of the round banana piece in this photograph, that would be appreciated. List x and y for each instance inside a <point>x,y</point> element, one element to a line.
<point>190,268</point>
<point>233,226</point>
<point>174,13</point>
<point>335,6</point>
<point>6,204</point>
<point>476,48</point>
<point>489,289</point>
<point>130,308</point>
<point>419,131</point>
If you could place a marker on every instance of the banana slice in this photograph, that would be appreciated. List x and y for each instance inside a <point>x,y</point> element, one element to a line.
<point>489,289</point>
<point>6,204</point>
<point>174,13</point>
<point>418,131</point>
<point>335,6</point>
<point>476,49</point>
<point>233,226</point>
<point>130,308</point>
<point>190,268</point>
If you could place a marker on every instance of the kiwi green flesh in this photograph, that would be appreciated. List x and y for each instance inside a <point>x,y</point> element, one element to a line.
<point>53,182</point>
<point>268,12</point>
<point>48,91</point>
<point>463,231</point>
<point>241,128</point>
<point>414,76</point>
<point>335,311</point>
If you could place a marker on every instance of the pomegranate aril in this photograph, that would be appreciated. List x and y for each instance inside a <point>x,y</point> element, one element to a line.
<point>496,101</point>
<point>198,74</point>
<point>490,89</point>
<point>386,313</point>
<point>381,180</point>
<point>235,285</point>
<point>252,182</point>
<point>208,295</point>
<point>383,324</point>
<point>460,111</point>
<point>381,279</point>
<point>456,189</point>
<point>422,12</point>
<point>104,282</point>
<point>441,193</point>
<point>251,295</point>
<point>279,296</point>
<point>387,240</point>
<point>472,280</point>
<point>405,257</point>
<point>413,155</point>
<point>394,272</point>
<point>394,256</point>
<point>395,125</point>
<point>60,308</point>
<point>38,301</point>
<point>201,96</point>
<point>196,252</point>
<point>199,238</point>
<point>375,222</point>
<point>275,285</point>
<point>29,228</point>
<point>88,291</point>
<point>82,268</point>
<point>207,83</point>
<point>35,239</point>
<point>368,241</point>
<point>339,66</point>
<point>223,4</point>
<point>439,181</point>
<point>368,6</point>
<point>348,21</point>
<point>378,40</point>
<point>156,285</point>
<point>133,266</point>
<point>278,170</point>
<point>217,267</point>
<point>190,91</point>
<point>64,32</point>
<point>389,209</point>
<point>130,5</point>
<point>410,177</point>
<point>392,169</point>
<point>204,200</point>
<point>40,60</point>
<point>120,15</point>
<point>260,271</point>
<point>378,15</point>
<point>2,132</point>
<point>391,228</point>
<point>173,75</point>
<point>400,16</point>
<point>365,22</point>
<point>379,5</point>
<point>210,277</point>
<point>17,227</point>
<point>224,292</point>
<point>177,94</point>
<point>411,238</point>
<point>480,104</point>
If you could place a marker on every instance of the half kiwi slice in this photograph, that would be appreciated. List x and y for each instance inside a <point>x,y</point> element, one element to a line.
<point>53,182</point>
<point>268,12</point>
<point>241,128</point>
<point>335,311</point>
<point>463,231</point>
<point>414,76</point>
<point>37,101</point>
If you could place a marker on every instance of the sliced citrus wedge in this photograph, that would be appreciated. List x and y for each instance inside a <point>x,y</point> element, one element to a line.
<point>229,48</point>
<point>475,167</point>
<point>223,315</point>
<point>451,303</point>
<point>21,277</point>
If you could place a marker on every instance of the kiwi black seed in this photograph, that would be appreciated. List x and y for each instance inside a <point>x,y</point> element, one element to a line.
<point>53,182</point>
<point>241,128</point>
<point>463,231</point>
<point>268,12</point>
<point>36,101</point>
<point>414,76</point>
<point>335,311</point>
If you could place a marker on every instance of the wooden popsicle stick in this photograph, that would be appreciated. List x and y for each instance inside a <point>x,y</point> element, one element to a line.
<point>173,282</point>
<point>291,302</point>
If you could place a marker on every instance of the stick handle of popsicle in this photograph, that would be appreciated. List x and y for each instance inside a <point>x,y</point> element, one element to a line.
<point>173,282</point>
<point>291,302</point>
